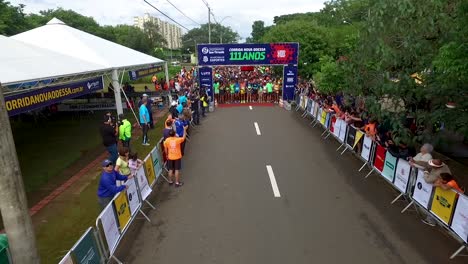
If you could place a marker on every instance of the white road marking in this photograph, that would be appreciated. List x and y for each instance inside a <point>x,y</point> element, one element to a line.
<point>250,107</point>
<point>274,186</point>
<point>257,128</point>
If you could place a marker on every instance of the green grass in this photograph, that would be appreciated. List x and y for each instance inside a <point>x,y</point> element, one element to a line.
<point>66,225</point>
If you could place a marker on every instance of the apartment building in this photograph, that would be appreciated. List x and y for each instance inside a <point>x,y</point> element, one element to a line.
<point>172,33</point>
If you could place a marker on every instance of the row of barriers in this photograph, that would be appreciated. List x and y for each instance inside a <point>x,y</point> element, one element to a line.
<point>448,207</point>
<point>99,243</point>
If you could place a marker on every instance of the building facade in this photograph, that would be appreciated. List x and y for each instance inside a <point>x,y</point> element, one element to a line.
<point>171,33</point>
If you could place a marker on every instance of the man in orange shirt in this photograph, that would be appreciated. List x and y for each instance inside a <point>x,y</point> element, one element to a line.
<point>172,145</point>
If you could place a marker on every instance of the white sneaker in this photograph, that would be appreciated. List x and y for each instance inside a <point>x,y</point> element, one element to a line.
<point>146,144</point>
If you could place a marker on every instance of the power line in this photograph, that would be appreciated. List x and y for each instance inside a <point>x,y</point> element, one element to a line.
<point>166,15</point>
<point>182,12</point>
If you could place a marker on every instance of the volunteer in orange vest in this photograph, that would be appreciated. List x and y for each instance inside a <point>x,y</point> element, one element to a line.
<point>172,145</point>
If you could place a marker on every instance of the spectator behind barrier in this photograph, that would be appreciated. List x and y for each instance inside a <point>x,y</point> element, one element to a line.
<point>107,184</point>
<point>168,128</point>
<point>435,168</point>
<point>420,161</point>
<point>447,182</point>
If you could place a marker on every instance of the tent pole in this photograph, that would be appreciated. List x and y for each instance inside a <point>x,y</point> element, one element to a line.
<point>166,70</point>
<point>13,202</point>
<point>116,85</point>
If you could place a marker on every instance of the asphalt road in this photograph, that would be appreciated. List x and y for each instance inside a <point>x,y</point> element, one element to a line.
<point>227,211</point>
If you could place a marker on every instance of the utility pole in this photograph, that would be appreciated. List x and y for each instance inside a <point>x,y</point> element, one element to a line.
<point>13,203</point>
<point>209,24</point>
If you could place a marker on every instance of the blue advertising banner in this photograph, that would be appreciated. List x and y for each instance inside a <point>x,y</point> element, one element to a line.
<point>135,75</point>
<point>86,250</point>
<point>248,54</point>
<point>206,81</point>
<point>289,82</point>
<point>20,103</point>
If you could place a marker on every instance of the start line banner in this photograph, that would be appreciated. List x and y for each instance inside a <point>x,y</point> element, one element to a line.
<point>248,54</point>
<point>24,102</point>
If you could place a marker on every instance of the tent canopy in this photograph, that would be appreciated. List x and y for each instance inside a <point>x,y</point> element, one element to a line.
<point>22,62</point>
<point>59,37</point>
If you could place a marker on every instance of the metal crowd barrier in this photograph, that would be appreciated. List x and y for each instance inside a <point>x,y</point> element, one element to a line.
<point>99,243</point>
<point>448,207</point>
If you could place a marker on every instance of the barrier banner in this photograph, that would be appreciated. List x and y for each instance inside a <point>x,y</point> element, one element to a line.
<point>323,118</point>
<point>319,114</point>
<point>359,135</point>
<point>290,81</point>
<point>157,164</point>
<point>316,109</point>
<point>86,250</point>
<point>28,101</point>
<point>67,259</point>
<point>304,102</point>
<point>142,181</point>
<point>332,124</point>
<point>443,204</point>
<point>206,81</point>
<point>312,109</point>
<point>379,160</point>
<point>389,167</point>
<point>248,54</point>
<point>110,228</point>
<point>123,209</point>
<point>460,218</point>
<point>366,148</point>
<point>402,175</point>
<point>132,195</point>
<point>135,75</point>
<point>351,137</point>
<point>309,105</point>
<point>327,120</point>
<point>337,128</point>
<point>149,171</point>
<point>343,128</point>
<point>422,190</point>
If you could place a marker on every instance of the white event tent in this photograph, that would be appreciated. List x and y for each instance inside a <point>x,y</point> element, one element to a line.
<point>22,62</point>
<point>58,37</point>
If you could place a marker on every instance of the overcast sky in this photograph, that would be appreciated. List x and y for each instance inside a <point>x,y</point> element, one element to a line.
<point>243,12</point>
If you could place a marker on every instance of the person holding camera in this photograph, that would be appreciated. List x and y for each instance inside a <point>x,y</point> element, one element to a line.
<point>109,133</point>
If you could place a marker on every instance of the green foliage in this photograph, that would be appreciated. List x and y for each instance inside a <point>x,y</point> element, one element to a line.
<point>330,76</point>
<point>258,31</point>
<point>11,19</point>
<point>219,34</point>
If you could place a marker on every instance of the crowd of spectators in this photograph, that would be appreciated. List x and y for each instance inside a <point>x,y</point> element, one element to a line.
<point>354,112</point>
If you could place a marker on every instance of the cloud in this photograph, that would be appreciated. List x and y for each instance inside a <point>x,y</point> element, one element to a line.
<point>242,12</point>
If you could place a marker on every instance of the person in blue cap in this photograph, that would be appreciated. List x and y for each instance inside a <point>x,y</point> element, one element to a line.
<point>108,183</point>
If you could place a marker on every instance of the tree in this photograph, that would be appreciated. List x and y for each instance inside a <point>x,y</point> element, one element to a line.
<point>219,33</point>
<point>12,19</point>
<point>258,31</point>
<point>151,29</point>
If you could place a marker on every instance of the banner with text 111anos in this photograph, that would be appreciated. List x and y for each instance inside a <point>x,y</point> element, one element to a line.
<point>248,54</point>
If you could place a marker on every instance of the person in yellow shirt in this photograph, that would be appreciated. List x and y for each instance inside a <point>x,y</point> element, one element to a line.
<point>172,146</point>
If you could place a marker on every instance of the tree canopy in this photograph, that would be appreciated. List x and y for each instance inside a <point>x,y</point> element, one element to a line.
<point>219,34</point>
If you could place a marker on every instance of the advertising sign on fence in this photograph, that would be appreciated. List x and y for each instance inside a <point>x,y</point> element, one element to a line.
<point>343,127</point>
<point>149,170</point>
<point>323,118</point>
<point>23,102</point>
<point>132,195</point>
<point>157,164</point>
<point>337,129</point>
<point>316,110</point>
<point>351,136</point>
<point>366,148</point>
<point>359,135</point>
<point>402,175</point>
<point>379,160</point>
<point>86,250</point>
<point>312,109</point>
<point>290,82</point>
<point>143,183</point>
<point>332,124</point>
<point>422,190</point>
<point>389,167</point>
<point>443,204</point>
<point>319,114</point>
<point>460,218</point>
<point>110,227</point>
<point>309,105</point>
<point>248,54</point>
<point>67,259</point>
<point>123,209</point>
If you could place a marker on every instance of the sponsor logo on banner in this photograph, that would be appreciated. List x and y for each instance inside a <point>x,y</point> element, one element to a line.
<point>422,190</point>
<point>86,250</point>
<point>32,100</point>
<point>443,204</point>
<point>157,165</point>
<point>351,136</point>
<point>142,181</point>
<point>460,218</point>
<point>379,158</point>
<point>132,195</point>
<point>149,170</point>
<point>110,227</point>
<point>389,167</point>
<point>366,148</point>
<point>123,209</point>
<point>402,175</point>
<point>290,82</point>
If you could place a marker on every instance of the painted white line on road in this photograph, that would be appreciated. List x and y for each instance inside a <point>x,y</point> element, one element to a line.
<point>274,186</point>
<point>257,128</point>
<point>250,107</point>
